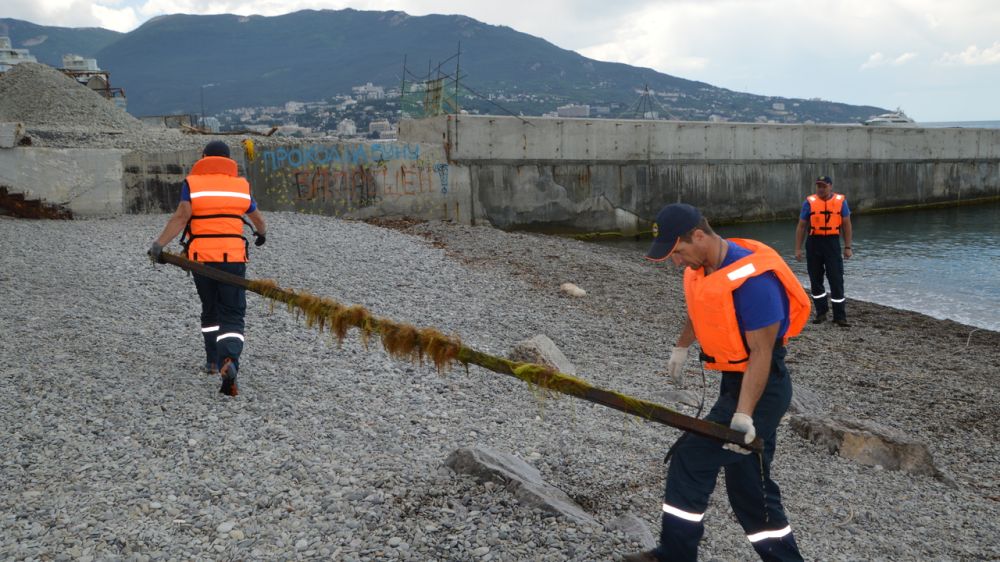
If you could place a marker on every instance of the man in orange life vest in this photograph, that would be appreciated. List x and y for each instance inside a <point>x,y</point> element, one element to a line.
<point>743,304</point>
<point>826,216</point>
<point>213,201</point>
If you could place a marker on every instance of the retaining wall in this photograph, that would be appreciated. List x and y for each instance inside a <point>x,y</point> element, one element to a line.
<point>594,175</point>
<point>573,175</point>
<point>153,181</point>
<point>88,182</point>
<point>361,180</point>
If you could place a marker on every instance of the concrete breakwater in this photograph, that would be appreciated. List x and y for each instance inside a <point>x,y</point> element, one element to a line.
<point>560,175</point>
<point>593,175</point>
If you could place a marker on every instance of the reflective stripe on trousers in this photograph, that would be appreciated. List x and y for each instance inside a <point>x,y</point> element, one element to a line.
<point>223,308</point>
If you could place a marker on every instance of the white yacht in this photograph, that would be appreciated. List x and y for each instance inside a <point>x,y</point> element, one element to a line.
<point>892,119</point>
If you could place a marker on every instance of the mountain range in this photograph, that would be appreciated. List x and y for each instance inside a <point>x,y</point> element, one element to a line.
<point>172,64</point>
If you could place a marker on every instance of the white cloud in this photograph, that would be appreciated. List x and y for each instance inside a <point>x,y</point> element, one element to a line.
<point>120,19</point>
<point>876,60</point>
<point>66,13</point>
<point>655,36</point>
<point>774,47</point>
<point>973,56</point>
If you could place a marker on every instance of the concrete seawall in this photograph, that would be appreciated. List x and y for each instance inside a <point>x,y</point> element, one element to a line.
<point>558,175</point>
<point>88,181</point>
<point>596,175</point>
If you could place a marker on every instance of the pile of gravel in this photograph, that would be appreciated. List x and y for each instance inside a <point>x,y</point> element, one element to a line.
<point>116,447</point>
<point>38,95</point>
<point>59,112</point>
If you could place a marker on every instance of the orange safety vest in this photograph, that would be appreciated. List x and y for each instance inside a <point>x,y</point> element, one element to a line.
<point>824,216</point>
<point>219,198</point>
<point>713,313</point>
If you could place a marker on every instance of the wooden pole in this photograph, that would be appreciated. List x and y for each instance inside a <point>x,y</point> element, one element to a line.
<point>535,374</point>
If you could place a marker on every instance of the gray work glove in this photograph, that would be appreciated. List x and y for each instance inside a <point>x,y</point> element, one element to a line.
<point>155,252</point>
<point>675,366</point>
<point>744,424</point>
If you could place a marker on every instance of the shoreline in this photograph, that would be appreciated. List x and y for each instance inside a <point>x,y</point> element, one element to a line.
<point>120,447</point>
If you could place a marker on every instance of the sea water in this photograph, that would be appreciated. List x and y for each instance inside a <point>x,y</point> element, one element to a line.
<point>941,262</point>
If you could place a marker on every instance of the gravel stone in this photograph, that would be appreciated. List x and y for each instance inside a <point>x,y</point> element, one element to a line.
<point>328,449</point>
<point>38,94</point>
<point>59,112</point>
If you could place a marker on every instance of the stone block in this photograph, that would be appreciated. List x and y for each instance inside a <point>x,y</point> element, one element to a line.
<point>541,350</point>
<point>520,478</point>
<point>805,401</point>
<point>10,134</point>
<point>867,443</point>
<point>634,528</point>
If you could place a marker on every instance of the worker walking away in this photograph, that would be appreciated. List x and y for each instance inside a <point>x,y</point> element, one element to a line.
<point>826,216</point>
<point>214,200</point>
<point>743,304</point>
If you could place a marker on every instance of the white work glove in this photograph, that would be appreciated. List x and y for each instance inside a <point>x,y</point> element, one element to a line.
<point>744,424</point>
<point>675,366</point>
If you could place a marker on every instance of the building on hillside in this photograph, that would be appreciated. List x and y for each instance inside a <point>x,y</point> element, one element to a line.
<point>573,110</point>
<point>379,126</point>
<point>76,63</point>
<point>86,72</point>
<point>347,128</point>
<point>369,91</point>
<point>9,56</point>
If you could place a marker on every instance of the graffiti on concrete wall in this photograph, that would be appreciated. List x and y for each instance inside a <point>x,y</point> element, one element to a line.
<point>343,177</point>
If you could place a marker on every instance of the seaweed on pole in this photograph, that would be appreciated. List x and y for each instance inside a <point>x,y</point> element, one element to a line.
<point>407,342</point>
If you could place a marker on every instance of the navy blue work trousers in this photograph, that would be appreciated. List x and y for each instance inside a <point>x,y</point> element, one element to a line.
<point>824,258</point>
<point>754,497</point>
<point>223,307</point>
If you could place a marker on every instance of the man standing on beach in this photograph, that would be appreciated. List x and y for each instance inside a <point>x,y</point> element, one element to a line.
<point>214,199</point>
<point>826,216</point>
<point>743,304</point>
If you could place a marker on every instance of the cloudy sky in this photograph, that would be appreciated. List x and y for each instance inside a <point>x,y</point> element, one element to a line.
<point>939,61</point>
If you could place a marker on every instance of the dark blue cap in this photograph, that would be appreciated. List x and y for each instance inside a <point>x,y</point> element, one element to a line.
<point>824,179</point>
<point>675,220</point>
<point>216,148</point>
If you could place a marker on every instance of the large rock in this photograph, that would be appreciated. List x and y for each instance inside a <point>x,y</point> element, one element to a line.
<point>805,401</point>
<point>867,443</point>
<point>634,528</point>
<point>520,478</point>
<point>541,350</point>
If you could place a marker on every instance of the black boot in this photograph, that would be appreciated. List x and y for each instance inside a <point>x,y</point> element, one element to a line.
<point>228,372</point>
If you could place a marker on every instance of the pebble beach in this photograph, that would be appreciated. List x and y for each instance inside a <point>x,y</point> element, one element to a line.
<point>115,446</point>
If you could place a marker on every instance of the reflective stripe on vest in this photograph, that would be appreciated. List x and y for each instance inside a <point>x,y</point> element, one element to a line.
<point>824,216</point>
<point>713,313</point>
<point>219,198</point>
